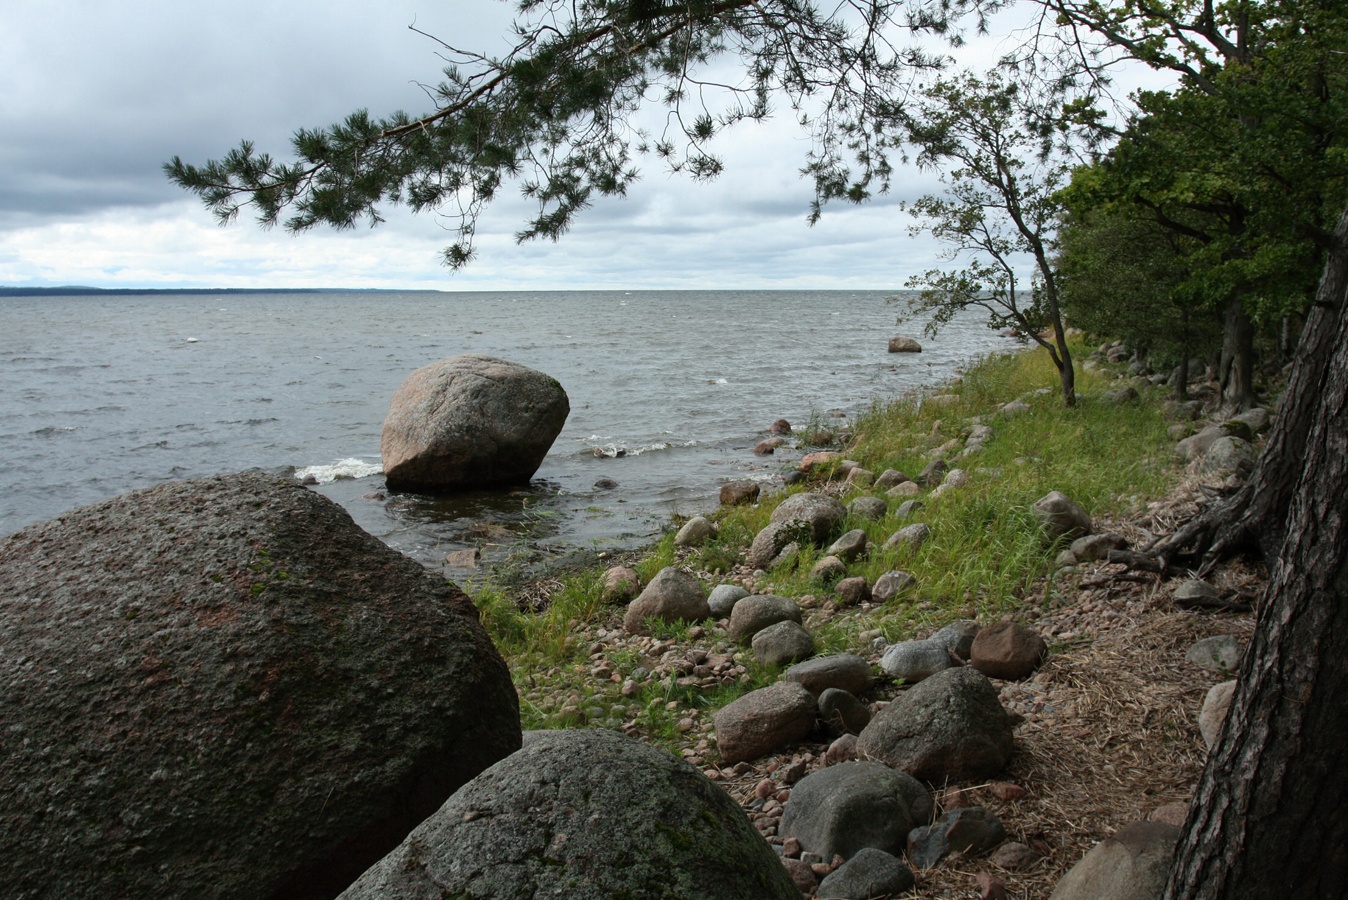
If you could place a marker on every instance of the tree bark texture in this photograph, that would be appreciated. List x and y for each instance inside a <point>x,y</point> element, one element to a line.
<point>1237,359</point>
<point>1270,816</point>
<point>1256,516</point>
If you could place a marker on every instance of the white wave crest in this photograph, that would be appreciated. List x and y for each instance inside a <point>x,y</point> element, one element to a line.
<point>345,468</point>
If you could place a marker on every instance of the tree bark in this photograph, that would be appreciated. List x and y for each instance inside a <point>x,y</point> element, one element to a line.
<point>1270,816</point>
<point>1237,359</point>
<point>1255,517</point>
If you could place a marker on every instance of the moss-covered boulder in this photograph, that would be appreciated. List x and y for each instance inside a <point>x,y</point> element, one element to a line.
<point>582,814</point>
<point>224,688</point>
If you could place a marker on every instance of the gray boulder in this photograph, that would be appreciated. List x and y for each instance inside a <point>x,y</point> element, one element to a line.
<point>972,829</point>
<point>889,478</point>
<point>754,613</point>
<point>958,637</point>
<point>852,805</point>
<point>850,546</point>
<point>1095,547</point>
<point>822,512</point>
<point>844,671</point>
<point>1220,653</point>
<point>872,509</point>
<point>225,688</point>
<point>782,644</point>
<point>910,538</point>
<point>949,726</point>
<point>673,595</point>
<point>470,422</point>
<point>584,813</point>
<point>723,599</point>
<point>694,532</point>
<point>1257,420</point>
<point>764,720</point>
<point>904,344</point>
<point>773,539</point>
<point>908,508</point>
<point>1229,455</point>
<point>892,584</point>
<point>871,873</point>
<point>1216,705</point>
<point>1061,517</point>
<point>912,661</point>
<point>828,570</point>
<point>1133,864</point>
<point>842,712</point>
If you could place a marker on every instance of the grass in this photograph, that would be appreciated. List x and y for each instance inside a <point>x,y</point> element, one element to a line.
<point>983,559</point>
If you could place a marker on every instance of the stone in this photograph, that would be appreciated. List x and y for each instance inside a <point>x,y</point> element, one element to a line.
<point>1007,650</point>
<point>1120,396</point>
<point>1133,864</point>
<point>852,591</point>
<point>763,721</point>
<point>673,595</point>
<point>951,725</point>
<point>908,508</point>
<point>470,422</point>
<point>910,538</point>
<point>1257,420</point>
<point>904,344</point>
<point>1220,653</point>
<point>1015,408</point>
<point>892,584</point>
<point>870,873</point>
<point>1229,456</point>
<point>889,478</point>
<point>843,671</point>
<point>912,661</point>
<point>823,513</point>
<point>781,426</point>
<point>842,712</point>
<point>1216,704</point>
<point>850,546</point>
<point>844,808</point>
<point>820,459</point>
<point>1196,592</point>
<point>1196,446</point>
<point>770,542</point>
<point>782,643</point>
<point>958,637</point>
<point>558,819</point>
<point>1061,517</point>
<point>752,614</point>
<point>464,559</point>
<point>723,598</point>
<point>972,829</point>
<point>767,447</point>
<point>843,749</point>
<point>932,474</point>
<point>225,688</point>
<point>870,509</point>
<point>1096,547</point>
<point>860,478</point>
<point>694,532</point>
<point>786,559</point>
<point>1014,856</point>
<point>828,570</point>
<point>802,875</point>
<point>1173,814</point>
<point>739,493</point>
<point>956,478</point>
<point>905,489</point>
<point>620,584</point>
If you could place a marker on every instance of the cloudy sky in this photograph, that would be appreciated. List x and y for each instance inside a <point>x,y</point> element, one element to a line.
<point>95,96</point>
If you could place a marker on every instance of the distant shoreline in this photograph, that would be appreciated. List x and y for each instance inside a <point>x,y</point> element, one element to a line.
<point>79,291</point>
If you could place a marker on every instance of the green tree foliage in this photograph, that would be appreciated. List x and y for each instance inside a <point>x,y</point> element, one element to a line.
<point>1003,155</point>
<point>556,116</point>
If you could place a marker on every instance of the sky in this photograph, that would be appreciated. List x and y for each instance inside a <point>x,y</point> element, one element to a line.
<point>96,96</point>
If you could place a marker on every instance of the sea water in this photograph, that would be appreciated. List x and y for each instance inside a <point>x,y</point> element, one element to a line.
<point>669,392</point>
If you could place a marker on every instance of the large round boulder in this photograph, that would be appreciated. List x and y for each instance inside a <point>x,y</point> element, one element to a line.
<point>673,595</point>
<point>586,813</point>
<point>470,422</point>
<point>846,807</point>
<point>823,513</point>
<point>224,688</point>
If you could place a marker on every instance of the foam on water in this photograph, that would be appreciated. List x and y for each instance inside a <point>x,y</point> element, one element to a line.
<point>344,468</point>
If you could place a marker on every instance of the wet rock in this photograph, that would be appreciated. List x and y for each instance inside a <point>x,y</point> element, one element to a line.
<point>673,595</point>
<point>904,344</point>
<point>764,721</point>
<point>781,426</point>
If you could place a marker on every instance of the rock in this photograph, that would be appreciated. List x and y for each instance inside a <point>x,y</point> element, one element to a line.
<point>802,875</point>
<point>781,426</point>
<point>769,542</point>
<point>828,570</point>
<point>463,559</point>
<point>912,661</point>
<point>782,643</point>
<point>870,509</point>
<point>956,478</point>
<point>844,808</point>
<point>224,688</point>
<point>950,725</point>
<point>470,422</point>
<point>906,489</point>
<point>889,478</point>
<point>739,493</point>
<point>907,508</point>
<point>909,539</point>
<point>850,546</point>
<point>1015,408</point>
<point>1014,856</point>
<point>933,473</point>
<point>620,584</point>
<point>892,584</point>
<point>723,599</point>
<point>843,749</point>
<point>1196,592</point>
<point>767,448</point>
<point>1064,559</point>
<point>820,459</point>
<point>1007,650</point>
<point>842,712</point>
<point>763,721</point>
<point>1228,456</point>
<point>843,671</point>
<point>1120,396</point>
<point>605,484</point>
<point>860,478</point>
<point>1257,420</point>
<point>558,819</point>
<point>794,476</point>
<point>1131,865</point>
<point>903,344</point>
<point>958,637</point>
<point>852,591</point>
<point>1200,445</point>
<point>1095,547</point>
<point>1061,517</point>
<point>1173,814</point>
<point>870,873</point>
<point>990,887</point>
<point>673,595</point>
<point>823,513</point>
<point>754,613</point>
<point>786,559</point>
<point>1220,653</point>
<point>972,829</point>
<point>1216,704</point>
<point>694,532</point>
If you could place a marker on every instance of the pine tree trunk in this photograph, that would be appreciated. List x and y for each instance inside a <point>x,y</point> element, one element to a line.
<point>1270,816</point>
<point>1256,516</point>
<point>1237,359</point>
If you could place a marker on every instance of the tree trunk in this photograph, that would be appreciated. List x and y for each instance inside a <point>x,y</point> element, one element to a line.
<point>1237,359</point>
<point>1256,516</point>
<point>1270,816</point>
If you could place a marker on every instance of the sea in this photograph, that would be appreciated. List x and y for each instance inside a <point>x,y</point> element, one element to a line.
<point>670,391</point>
